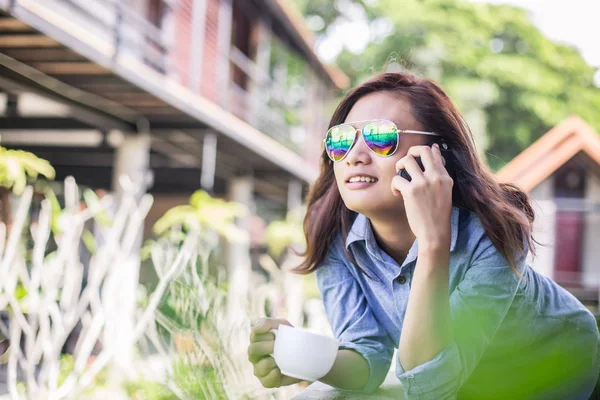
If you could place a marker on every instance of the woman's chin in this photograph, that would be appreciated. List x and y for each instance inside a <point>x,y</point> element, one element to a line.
<point>363,208</point>
<point>370,209</point>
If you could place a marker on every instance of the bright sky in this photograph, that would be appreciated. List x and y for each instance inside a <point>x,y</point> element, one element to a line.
<point>572,22</point>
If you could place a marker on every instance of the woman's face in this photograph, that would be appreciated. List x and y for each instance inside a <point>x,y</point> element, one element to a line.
<point>376,198</point>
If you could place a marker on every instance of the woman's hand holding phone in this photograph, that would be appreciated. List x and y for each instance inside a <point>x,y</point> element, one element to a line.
<point>405,174</point>
<point>427,195</point>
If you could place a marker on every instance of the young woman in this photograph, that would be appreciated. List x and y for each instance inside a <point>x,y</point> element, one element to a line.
<point>432,262</point>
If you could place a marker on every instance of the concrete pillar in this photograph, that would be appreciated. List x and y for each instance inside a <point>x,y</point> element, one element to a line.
<point>591,251</point>
<point>294,200</point>
<point>197,44</point>
<point>259,89</point>
<point>293,283</point>
<point>132,159</point>
<point>293,289</point>
<point>209,162</point>
<point>224,49</point>
<point>544,227</point>
<point>239,267</point>
<point>544,232</point>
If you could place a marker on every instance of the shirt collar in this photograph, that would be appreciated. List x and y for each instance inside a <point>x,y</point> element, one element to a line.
<point>361,230</point>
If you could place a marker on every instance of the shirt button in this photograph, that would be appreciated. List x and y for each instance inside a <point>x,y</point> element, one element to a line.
<point>401,279</point>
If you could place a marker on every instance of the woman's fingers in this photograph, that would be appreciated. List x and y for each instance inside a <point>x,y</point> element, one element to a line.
<point>426,155</point>
<point>264,325</point>
<point>437,154</point>
<point>258,350</point>
<point>431,157</point>
<point>410,164</point>
<point>288,380</point>
<point>264,367</point>
<point>399,185</point>
<point>272,379</point>
<point>261,337</point>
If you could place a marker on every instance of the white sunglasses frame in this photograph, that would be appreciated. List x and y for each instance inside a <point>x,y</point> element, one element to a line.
<point>363,138</point>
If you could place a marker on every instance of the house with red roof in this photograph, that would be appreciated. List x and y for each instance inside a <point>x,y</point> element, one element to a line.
<point>561,173</point>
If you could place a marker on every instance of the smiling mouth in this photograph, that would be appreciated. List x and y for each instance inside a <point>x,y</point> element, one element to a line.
<point>358,179</point>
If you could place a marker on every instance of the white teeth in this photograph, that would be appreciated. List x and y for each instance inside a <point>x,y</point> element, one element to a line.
<point>362,179</point>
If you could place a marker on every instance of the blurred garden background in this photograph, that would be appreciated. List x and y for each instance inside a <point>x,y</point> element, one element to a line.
<point>155,157</point>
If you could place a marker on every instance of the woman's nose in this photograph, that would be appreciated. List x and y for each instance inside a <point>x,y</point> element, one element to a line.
<point>359,153</point>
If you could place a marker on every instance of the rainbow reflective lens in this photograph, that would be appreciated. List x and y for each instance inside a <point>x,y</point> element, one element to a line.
<point>380,136</point>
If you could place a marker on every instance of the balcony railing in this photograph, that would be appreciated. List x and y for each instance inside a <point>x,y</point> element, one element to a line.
<point>126,28</point>
<point>265,104</point>
<point>144,30</point>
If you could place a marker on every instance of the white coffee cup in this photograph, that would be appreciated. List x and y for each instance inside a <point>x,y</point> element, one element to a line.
<point>302,354</point>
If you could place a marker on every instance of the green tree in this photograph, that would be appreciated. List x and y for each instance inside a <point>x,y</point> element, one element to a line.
<point>511,82</point>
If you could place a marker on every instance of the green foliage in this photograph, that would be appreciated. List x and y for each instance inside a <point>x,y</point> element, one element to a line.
<point>310,289</point>
<point>192,315</point>
<point>204,211</point>
<point>67,365</point>
<point>486,56</point>
<point>281,234</point>
<point>198,381</point>
<point>148,390</point>
<point>92,201</point>
<point>16,166</point>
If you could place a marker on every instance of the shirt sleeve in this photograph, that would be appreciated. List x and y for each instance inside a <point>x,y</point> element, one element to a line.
<point>477,306</point>
<point>352,320</point>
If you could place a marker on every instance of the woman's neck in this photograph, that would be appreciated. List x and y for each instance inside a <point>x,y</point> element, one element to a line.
<point>393,235</point>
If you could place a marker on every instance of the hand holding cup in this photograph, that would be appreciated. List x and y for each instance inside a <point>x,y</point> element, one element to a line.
<point>262,343</point>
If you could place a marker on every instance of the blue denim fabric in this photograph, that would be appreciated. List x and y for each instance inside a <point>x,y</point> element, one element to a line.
<point>513,337</point>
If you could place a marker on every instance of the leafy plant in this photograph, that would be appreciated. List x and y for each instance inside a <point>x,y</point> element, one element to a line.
<point>282,234</point>
<point>209,360</point>
<point>16,166</point>
<point>148,390</point>
<point>204,213</point>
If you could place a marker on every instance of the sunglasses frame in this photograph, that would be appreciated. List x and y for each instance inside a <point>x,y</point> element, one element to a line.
<point>367,122</point>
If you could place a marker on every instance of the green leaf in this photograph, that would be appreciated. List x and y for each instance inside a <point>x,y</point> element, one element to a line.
<point>16,166</point>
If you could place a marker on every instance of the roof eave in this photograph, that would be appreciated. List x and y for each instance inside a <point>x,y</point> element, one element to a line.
<point>534,164</point>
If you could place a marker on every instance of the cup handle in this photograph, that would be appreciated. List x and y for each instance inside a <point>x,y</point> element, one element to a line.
<point>274,332</point>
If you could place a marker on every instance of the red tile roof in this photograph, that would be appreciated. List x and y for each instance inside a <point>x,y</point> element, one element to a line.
<point>550,152</point>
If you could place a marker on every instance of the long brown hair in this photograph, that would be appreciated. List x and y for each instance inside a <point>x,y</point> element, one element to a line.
<point>504,210</point>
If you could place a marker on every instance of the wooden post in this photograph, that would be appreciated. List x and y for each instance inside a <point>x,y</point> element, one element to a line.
<point>239,268</point>
<point>132,159</point>
<point>117,29</point>
<point>224,48</point>
<point>209,158</point>
<point>294,194</point>
<point>262,38</point>
<point>197,44</point>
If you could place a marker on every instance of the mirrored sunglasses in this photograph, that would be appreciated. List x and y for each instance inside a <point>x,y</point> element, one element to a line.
<point>381,137</point>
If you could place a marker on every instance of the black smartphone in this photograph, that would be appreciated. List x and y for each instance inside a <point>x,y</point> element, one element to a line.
<point>446,155</point>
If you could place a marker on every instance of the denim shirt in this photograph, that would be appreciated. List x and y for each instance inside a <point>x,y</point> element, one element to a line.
<point>512,337</point>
